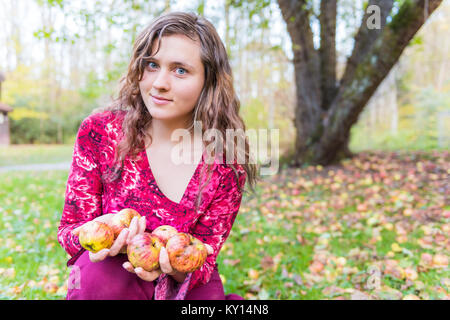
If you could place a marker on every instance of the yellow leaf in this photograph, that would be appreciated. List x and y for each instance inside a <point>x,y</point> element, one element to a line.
<point>411,297</point>
<point>341,261</point>
<point>395,247</point>
<point>253,274</point>
<point>390,254</point>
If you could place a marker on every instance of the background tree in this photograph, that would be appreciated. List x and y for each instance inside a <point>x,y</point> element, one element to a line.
<point>327,107</point>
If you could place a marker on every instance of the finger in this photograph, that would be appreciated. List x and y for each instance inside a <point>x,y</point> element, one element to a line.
<point>98,256</point>
<point>142,225</point>
<point>128,266</point>
<point>119,242</point>
<point>209,248</point>
<point>133,229</point>
<point>164,262</point>
<point>147,275</point>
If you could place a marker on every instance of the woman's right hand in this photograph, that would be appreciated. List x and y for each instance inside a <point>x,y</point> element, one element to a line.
<point>137,226</point>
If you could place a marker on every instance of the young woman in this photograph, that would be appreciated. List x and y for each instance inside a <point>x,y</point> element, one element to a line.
<point>123,158</point>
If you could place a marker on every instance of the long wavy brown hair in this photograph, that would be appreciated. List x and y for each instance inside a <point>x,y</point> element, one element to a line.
<point>217,107</point>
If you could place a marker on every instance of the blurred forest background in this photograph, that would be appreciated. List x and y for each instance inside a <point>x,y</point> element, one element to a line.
<point>62,59</point>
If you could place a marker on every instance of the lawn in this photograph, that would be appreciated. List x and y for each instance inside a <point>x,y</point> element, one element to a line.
<point>34,154</point>
<point>374,227</point>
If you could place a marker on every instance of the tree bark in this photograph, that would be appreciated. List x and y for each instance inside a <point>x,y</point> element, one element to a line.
<point>307,77</point>
<point>327,18</point>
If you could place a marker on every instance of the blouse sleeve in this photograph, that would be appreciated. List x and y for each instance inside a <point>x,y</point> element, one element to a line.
<point>215,224</point>
<point>83,201</point>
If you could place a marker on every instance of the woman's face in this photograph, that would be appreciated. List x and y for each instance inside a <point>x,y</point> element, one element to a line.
<point>175,73</point>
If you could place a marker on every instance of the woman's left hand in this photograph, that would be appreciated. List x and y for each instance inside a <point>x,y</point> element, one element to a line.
<point>164,267</point>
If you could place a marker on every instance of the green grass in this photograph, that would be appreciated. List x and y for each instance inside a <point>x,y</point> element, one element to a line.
<point>410,138</point>
<point>276,239</point>
<point>34,154</point>
<point>30,211</point>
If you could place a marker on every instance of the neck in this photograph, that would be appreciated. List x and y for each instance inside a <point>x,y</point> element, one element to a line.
<point>162,130</point>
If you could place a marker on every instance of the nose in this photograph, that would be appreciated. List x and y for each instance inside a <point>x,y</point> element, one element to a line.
<point>162,81</point>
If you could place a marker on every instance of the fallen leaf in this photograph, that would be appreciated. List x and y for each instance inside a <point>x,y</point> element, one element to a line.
<point>253,274</point>
<point>267,262</point>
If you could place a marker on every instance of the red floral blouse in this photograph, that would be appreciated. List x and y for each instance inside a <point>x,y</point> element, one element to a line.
<point>88,197</point>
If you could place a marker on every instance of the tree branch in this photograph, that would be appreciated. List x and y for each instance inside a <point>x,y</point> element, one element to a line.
<point>366,37</point>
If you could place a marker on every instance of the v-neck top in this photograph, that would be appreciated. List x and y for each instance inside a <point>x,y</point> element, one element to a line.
<point>88,196</point>
<point>189,182</point>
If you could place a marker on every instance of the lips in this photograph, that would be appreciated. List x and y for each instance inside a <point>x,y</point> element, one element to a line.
<point>160,100</point>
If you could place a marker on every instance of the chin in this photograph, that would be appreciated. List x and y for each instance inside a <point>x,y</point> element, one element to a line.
<point>158,112</point>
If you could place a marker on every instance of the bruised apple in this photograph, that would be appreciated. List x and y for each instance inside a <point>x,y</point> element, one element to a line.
<point>186,253</point>
<point>122,220</point>
<point>143,251</point>
<point>95,236</point>
<point>164,232</point>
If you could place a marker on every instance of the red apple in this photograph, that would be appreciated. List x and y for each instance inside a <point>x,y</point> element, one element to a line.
<point>143,251</point>
<point>122,220</point>
<point>164,232</point>
<point>95,236</point>
<point>186,253</point>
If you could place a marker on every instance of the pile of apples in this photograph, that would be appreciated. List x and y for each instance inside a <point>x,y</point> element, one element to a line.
<point>186,253</point>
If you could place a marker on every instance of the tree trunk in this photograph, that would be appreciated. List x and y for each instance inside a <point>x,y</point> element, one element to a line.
<point>324,114</point>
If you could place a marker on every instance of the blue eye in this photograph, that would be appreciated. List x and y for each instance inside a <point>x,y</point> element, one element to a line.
<point>153,65</point>
<point>184,71</point>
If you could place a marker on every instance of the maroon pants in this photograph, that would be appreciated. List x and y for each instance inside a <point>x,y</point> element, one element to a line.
<point>108,280</point>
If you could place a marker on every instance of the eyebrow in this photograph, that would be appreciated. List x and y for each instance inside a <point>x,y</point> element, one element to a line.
<point>174,63</point>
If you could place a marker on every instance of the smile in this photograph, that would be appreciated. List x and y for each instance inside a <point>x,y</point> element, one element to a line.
<point>160,101</point>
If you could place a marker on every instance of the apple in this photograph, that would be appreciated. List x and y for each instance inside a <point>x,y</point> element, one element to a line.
<point>143,251</point>
<point>164,232</point>
<point>95,236</point>
<point>122,220</point>
<point>186,253</point>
